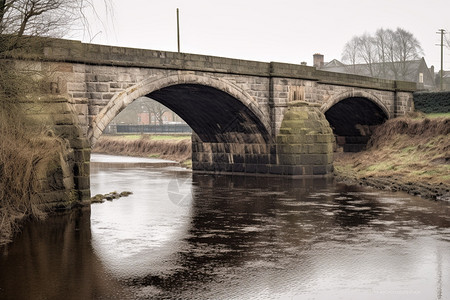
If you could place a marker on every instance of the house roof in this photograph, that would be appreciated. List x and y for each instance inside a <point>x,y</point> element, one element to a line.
<point>410,69</point>
<point>333,63</point>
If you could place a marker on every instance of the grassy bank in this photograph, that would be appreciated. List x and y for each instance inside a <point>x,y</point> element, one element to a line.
<point>406,154</point>
<point>26,155</point>
<point>171,147</point>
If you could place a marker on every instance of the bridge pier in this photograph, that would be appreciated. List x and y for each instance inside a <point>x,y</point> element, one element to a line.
<point>65,181</point>
<point>305,142</point>
<point>304,147</point>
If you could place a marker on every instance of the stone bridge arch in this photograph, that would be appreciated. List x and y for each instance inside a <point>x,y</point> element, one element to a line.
<point>231,133</point>
<point>160,82</point>
<point>353,115</point>
<point>354,94</point>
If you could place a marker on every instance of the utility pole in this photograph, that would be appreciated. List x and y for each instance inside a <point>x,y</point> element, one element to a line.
<point>178,29</point>
<point>442,31</point>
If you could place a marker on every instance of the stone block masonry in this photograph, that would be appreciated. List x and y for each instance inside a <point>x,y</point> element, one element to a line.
<point>60,119</point>
<point>304,147</point>
<point>251,117</point>
<point>305,142</point>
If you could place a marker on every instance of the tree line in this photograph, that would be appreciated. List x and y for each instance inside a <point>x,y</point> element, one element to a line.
<point>384,54</point>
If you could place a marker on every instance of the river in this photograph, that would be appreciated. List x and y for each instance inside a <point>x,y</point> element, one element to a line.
<point>188,236</point>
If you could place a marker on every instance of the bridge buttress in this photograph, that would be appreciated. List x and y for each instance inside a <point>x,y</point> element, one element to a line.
<point>66,182</point>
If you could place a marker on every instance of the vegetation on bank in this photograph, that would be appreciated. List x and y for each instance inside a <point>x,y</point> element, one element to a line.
<point>171,147</point>
<point>411,154</point>
<point>30,154</point>
<point>432,102</point>
<point>406,154</point>
<point>27,151</point>
<point>24,158</point>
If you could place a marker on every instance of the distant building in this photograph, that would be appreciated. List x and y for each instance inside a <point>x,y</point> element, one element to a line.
<point>143,118</point>
<point>414,70</point>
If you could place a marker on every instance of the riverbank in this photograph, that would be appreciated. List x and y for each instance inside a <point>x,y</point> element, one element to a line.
<point>404,154</point>
<point>170,147</point>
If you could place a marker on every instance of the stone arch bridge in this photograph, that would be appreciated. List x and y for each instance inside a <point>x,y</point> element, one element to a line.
<point>248,116</point>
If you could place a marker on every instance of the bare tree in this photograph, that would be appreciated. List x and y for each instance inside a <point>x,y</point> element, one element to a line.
<point>385,54</point>
<point>408,48</point>
<point>157,110</point>
<point>367,52</point>
<point>154,109</point>
<point>22,19</point>
<point>24,145</point>
<point>350,53</point>
<point>383,40</point>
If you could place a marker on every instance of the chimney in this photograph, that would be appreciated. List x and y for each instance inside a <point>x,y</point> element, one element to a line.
<point>318,60</point>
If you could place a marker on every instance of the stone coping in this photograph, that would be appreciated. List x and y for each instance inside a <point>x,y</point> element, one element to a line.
<point>72,51</point>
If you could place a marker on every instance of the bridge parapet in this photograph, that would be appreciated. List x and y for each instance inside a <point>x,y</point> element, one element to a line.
<point>78,52</point>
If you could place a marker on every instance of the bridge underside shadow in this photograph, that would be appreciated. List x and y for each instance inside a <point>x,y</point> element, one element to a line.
<point>228,137</point>
<point>353,121</point>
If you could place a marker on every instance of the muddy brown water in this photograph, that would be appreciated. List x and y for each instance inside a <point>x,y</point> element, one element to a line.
<point>185,236</point>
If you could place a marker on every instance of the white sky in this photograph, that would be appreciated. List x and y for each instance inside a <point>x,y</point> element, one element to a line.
<point>288,31</point>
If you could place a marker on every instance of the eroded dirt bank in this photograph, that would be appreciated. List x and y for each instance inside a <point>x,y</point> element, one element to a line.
<point>411,155</point>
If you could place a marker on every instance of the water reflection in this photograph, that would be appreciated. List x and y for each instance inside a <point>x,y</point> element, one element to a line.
<point>184,236</point>
<point>53,260</point>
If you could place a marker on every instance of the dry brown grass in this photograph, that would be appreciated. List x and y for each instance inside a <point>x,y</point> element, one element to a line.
<point>405,151</point>
<point>24,151</point>
<point>172,149</point>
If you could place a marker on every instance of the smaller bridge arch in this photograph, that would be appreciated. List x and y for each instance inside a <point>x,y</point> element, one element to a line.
<point>355,94</point>
<point>353,116</point>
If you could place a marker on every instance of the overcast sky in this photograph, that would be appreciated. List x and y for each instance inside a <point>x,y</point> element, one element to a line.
<point>279,30</point>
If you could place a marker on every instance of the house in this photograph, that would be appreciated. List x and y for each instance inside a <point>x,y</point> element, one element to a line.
<point>414,70</point>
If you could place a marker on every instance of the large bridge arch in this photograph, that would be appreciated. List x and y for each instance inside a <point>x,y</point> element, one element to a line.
<point>353,116</point>
<point>153,87</point>
<point>231,133</point>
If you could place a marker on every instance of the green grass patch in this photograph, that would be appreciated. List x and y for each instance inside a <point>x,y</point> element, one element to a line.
<point>383,166</point>
<point>409,149</point>
<point>169,137</point>
<point>155,137</point>
<point>127,136</point>
<point>187,164</point>
<point>438,115</point>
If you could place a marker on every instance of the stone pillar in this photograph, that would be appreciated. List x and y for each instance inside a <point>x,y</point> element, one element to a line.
<point>59,116</point>
<point>305,142</point>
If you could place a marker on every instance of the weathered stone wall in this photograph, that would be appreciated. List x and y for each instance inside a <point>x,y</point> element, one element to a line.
<point>304,147</point>
<point>92,87</point>
<point>92,74</point>
<point>100,81</point>
<point>305,142</point>
<point>66,182</point>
